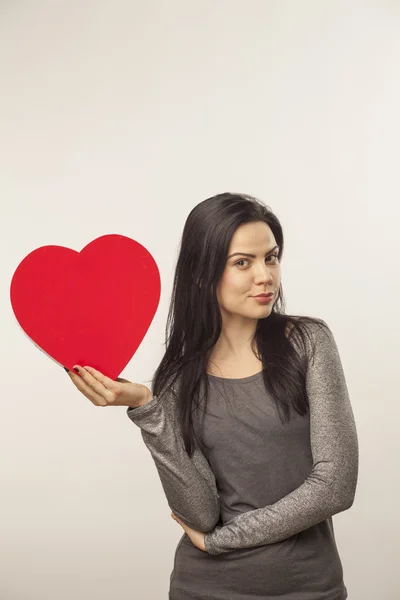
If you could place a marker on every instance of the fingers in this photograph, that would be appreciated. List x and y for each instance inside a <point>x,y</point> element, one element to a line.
<point>89,387</point>
<point>175,517</point>
<point>94,398</point>
<point>103,385</point>
<point>105,381</point>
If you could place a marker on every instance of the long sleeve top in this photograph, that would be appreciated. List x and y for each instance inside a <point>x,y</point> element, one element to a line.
<point>191,486</point>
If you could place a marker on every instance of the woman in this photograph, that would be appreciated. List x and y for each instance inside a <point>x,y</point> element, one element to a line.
<point>250,424</point>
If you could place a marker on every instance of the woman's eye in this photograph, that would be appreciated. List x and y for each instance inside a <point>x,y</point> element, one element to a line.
<point>275,256</point>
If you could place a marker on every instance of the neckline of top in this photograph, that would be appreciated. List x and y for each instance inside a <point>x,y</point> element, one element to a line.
<point>237,379</point>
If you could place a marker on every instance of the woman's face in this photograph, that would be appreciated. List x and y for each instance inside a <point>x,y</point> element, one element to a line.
<point>246,276</point>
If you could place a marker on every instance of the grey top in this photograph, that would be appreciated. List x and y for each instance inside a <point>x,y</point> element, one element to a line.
<point>265,491</point>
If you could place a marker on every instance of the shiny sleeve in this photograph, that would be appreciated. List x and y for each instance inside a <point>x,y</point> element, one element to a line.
<point>330,487</point>
<point>189,483</point>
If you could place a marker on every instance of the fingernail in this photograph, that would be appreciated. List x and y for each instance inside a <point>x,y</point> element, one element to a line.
<point>66,369</point>
<point>76,370</point>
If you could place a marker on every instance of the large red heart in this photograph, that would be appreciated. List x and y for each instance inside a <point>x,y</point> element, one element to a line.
<point>91,307</point>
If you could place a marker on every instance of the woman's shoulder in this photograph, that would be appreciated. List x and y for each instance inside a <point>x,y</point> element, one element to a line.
<point>311,323</point>
<point>308,332</point>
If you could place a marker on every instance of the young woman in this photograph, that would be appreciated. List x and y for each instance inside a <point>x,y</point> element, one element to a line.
<point>249,424</point>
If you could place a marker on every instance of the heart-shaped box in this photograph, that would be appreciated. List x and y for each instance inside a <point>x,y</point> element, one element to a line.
<point>92,307</point>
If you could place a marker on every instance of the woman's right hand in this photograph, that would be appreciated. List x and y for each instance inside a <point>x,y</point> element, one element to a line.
<point>103,391</point>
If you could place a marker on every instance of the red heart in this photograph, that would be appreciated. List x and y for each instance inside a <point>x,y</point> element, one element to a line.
<point>92,307</point>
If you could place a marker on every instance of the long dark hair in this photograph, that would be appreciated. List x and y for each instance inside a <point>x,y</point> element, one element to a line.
<point>194,321</point>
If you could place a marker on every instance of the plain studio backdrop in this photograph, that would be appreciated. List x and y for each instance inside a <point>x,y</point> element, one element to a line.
<point>119,117</point>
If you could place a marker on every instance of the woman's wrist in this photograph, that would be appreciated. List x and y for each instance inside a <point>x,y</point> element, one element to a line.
<point>147,396</point>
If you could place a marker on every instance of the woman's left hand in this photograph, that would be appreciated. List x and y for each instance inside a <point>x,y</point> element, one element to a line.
<point>196,537</point>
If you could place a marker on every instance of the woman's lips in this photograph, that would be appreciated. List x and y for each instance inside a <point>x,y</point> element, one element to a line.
<point>264,298</point>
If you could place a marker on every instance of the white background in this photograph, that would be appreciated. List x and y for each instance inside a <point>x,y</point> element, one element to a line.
<point>119,117</point>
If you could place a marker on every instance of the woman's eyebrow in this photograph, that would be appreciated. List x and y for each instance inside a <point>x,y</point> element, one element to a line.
<point>253,255</point>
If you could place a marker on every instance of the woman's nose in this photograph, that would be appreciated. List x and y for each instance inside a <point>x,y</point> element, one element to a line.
<point>265,275</point>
